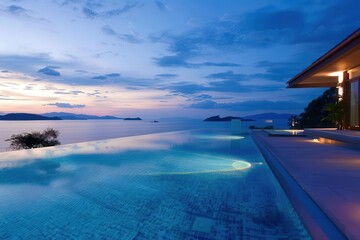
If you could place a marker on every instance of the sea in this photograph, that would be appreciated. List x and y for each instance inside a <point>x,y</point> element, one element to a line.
<point>75,131</point>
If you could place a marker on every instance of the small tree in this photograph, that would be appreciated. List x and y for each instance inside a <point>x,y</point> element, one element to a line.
<point>335,114</point>
<point>46,138</point>
<point>315,114</point>
<point>294,122</point>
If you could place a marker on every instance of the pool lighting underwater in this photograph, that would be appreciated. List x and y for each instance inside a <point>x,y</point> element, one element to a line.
<point>175,184</point>
<point>220,137</point>
<point>241,165</point>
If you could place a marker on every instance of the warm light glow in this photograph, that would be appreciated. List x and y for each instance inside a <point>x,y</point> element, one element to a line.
<point>338,74</point>
<point>21,91</point>
<point>340,88</point>
<point>237,165</point>
<point>241,165</point>
<point>340,92</point>
<point>340,77</point>
<point>294,132</point>
<point>316,140</point>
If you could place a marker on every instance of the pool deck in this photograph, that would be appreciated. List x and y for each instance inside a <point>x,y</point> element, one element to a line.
<point>347,136</point>
<point>328,173</point>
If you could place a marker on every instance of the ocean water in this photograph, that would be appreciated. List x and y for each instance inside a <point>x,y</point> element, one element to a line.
<point>72,131</point>
<point>202,184</point>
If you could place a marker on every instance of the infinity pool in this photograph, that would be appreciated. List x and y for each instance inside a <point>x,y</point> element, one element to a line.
<point>178,185</point>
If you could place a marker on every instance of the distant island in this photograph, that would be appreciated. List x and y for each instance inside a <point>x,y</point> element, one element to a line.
<point>132,119</point>
<point>72,116</point>
<point>58,116</point>
<point>225,119</point>
<point>25,117</point>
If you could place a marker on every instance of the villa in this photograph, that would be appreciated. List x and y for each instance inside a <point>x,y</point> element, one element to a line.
<point>324,170</point>
<point>340,68</point>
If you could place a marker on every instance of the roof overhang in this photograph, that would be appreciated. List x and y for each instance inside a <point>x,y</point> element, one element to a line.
<point>324,72</point>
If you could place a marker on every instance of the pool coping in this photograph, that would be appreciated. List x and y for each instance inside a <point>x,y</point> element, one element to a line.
<point>317,222</point>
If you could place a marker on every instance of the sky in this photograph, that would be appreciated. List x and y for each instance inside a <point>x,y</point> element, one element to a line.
<point>171,58</point>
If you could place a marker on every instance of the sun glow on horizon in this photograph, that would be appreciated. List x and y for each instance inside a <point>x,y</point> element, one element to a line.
<point>25,93</point>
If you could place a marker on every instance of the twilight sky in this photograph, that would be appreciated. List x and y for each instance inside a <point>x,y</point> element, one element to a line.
<point>192,58</point>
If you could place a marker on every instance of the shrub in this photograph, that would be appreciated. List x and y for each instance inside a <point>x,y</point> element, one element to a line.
<point>46,138</point>
<point>294,122</point>
<point>315,114</point>
<point>335,114</point>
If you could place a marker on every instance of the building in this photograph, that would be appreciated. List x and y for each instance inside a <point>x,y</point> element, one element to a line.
<point>339,67</point>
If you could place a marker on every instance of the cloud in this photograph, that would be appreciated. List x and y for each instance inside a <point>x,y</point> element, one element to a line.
<point>229,75</point>
<point>100,77</point>
<point>185,88</point>
<point>180,61</point>
<point>161,6</point>
<point>89,12</point>
<point>329,27</point>
<point>20,12</point>
<point>200,97</point>
<point>108,30</point>
<point>221,64</point>
<point>111,75</point>
<point>278,71</point>
<point>28,64</point>
<point>75,92</point>
<point>66,105</point>
<point>67,2</point>
<point>106,76</point>
<point>162,37</point>
<point>54,67</point>
<point>130,38</point>
<point>248,105</point>
<point>49,70</point>
<point>259,29</point>
<point>221,82</point>
<point>12,99</point>
<point>17,10</point>
<point>220,86</point>
<point>166,75</point>
<point>25,63</point>
<point>262,28</point>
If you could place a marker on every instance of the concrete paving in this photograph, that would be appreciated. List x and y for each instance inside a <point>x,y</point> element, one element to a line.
<point>347,136</point>
<point>329,173</point>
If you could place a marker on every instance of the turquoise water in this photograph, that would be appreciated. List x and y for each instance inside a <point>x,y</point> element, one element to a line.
<point>93,130</point>
<point>178,185</point>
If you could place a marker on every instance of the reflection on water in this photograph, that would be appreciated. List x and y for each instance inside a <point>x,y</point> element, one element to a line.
<point>145,142</point>
<point>37,172</point>
<point>161,186</point>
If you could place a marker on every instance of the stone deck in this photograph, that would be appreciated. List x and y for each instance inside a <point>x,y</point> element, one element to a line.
<point>329,173</point>
<point>347,136</point>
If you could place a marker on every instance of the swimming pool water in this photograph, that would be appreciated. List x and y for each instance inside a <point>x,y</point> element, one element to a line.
<point>178,185</point>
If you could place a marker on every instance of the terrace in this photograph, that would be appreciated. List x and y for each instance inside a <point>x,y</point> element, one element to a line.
<point>329,173</point>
